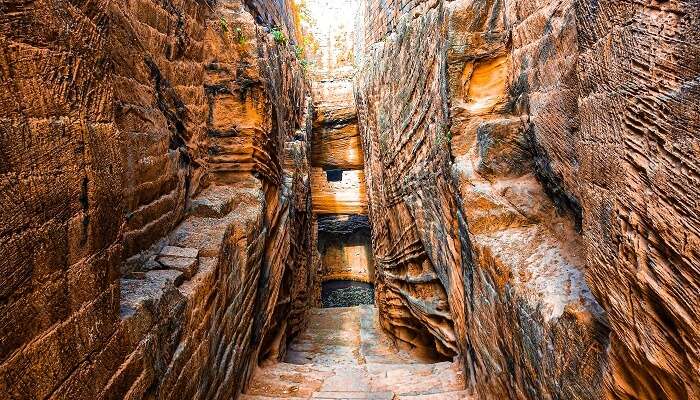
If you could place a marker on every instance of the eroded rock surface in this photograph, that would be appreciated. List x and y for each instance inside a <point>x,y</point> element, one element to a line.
<point>530,288</point>
<point>338,181</point>
<point>345,245</point>
<point>637,151</point>
<point>155,180</point>
<point>178,177</point>
<point>416,225</point>
<point>341,225</point>
<point>519,152</point>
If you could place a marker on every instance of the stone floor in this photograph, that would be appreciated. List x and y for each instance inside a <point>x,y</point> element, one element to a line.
<point>344,354</point>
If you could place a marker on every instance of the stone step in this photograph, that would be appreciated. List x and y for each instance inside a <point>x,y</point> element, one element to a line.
<point>344,354</point>
<point>405,381</point>
<point>329,396</point>
<point>353,395</point>
<point>455,395</point>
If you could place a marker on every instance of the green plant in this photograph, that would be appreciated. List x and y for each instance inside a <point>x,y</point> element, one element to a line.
<point>298,52</point>
<point>224,24</point>
<point>240,37</point>
<point>278,35</point>
<point>444,135</point>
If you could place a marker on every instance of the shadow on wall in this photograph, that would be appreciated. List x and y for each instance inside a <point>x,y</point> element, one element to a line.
<point>345,247</point>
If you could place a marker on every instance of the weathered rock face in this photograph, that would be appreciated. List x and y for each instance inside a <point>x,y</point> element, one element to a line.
<point>337,177</point>
<point>634,169</point>
<point>530,301</point>
<point>545,128</point>
<point>156,190</point>
<point>528,168</point>
<point>338,191</point>
<point>416,222</point>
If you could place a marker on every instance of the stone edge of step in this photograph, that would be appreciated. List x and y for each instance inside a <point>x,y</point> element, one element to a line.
<point>348,395</point>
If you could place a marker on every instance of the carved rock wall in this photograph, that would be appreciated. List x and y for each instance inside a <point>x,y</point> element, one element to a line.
<point>282,14</point>
<point>635,173</point>
<point>540,331</point>
<point>158,159</point>
<point>155,183</point>
<point>345,245</point>
<point>416,221</point>
<point>336,142</point>
<point>545,128</point>
<point>337,176</point>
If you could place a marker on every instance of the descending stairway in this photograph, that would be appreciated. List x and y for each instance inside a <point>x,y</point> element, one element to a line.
<point>344,354</point>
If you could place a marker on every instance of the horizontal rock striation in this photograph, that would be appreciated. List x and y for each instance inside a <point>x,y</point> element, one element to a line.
<point>337,177</point>
<point>155,180</point>
<point>338,181</point>
<point>345,194</point>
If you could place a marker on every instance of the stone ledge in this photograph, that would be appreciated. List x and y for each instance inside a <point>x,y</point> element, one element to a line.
<point>164,267</point>
<point>355,277</point>
<point>540,270</point>
<point>214,202</point>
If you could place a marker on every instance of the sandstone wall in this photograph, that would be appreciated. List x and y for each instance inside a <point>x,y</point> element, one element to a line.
<point>545,128</point>
<point>336,142</point>
<point>531,309</point>
<point>157,198</point>
<point>635,173</point>
<point>416,221</point>
<point>337,175</point>
<point>61,191</point>
<point>346,196</point>
<point>277,13</point>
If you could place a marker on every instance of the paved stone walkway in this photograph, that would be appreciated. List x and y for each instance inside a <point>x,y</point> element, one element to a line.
<point>344,354</point>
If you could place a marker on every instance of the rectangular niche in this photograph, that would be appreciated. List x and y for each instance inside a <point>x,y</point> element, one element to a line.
<point>334,175</point>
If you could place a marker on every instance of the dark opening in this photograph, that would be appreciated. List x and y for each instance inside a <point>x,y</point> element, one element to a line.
<point>334,175</point>
<point>346,294</point>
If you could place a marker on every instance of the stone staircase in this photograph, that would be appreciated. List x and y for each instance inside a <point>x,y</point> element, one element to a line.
<point>344,354</point>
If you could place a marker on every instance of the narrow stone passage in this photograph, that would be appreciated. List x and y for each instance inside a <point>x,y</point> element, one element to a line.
<point>344,354</point>
<point>349,199</point>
